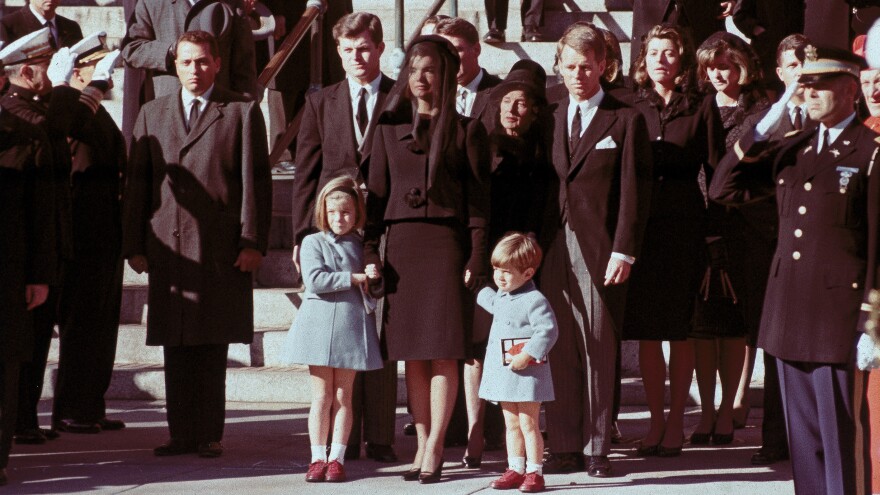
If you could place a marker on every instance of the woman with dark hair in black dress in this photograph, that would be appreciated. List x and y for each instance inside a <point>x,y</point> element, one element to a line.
<point>429,195</point>
<point>685,133</point>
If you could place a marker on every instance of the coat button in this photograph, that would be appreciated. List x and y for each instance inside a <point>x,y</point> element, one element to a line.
<point>802,210</point>
<point>796,255</point>
<point>807,186</point>
<point>176,233</point>
<point>781,181</point>
<point>855,285</point>
<point>798,233</point>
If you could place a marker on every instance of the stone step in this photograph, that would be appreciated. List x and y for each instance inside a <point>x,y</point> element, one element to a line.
<point>273,308</point>
<point>292,384</point>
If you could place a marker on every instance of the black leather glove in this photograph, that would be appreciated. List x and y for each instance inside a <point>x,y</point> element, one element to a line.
<point>478,264</point>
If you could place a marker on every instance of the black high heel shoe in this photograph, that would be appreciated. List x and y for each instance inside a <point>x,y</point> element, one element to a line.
<point>427,478</point>
<point>702,438</point>
<point>412,474</point>
<point>471,462</point>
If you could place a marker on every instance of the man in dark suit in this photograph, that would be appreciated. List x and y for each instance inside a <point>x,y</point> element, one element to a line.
<point>38,14</point>
<point>28,249</point>
<point>158,24</point>
<point>335,139</point>
<point>197,216</point>
<point>474,82</point>
<point>592,234</point>
<point>92,292</point>
<point>811,311</point>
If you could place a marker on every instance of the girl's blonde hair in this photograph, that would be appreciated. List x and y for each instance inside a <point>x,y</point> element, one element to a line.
<point>337,189</point>
<point>518,251</point>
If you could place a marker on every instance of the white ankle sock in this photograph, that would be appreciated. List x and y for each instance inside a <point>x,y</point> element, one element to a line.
<point>337,452</point>
<point>319,453</point>
<point>531,467</point>
<point>517,464</point>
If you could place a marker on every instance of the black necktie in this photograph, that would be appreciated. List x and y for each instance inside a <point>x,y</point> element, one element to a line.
<point>798,122</point>
<point>193,115</point>
<point>53,36</point>
<point>826,140</point>
<point>362,118</point>
<point>575,131</point>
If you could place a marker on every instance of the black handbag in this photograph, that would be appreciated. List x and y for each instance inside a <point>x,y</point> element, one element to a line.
<point>717,312</point>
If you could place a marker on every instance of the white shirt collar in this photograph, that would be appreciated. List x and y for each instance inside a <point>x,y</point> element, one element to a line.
<point>587,104</point>
<point>188,98</point>
<point>475,82</point>
<point>40,16</point>
<point>835,131</point>
<point>354,87</point>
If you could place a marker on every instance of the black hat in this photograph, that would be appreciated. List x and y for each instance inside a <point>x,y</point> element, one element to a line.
<point>525,75</point>
<point>821,62</point>
<point>212,16</point>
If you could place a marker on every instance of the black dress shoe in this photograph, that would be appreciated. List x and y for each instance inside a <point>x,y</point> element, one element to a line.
<point>563,462</point>
<point>434,476</point>
<point>3,477</point>
<point>471,462</point>
<point>766,457</point>
<point>175,447</point>
<point>647,450</point>
<point>722,439</point>
<point>109,424</point>
<point>701,438</point>
<point>412,474</point>
<point>50,433</point>
<point>30,437</point>
<point>78,427</point>
<point>210,450</point>
<point>532,34</point>
<point>599,466</point>
<point>668,451</point>
<point>495,37</point>
<point>380,453</point>
<point>409,429</point>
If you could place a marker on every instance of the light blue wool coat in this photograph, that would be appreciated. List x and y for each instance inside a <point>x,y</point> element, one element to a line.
<point>522,313</point>
<point>332,327</point>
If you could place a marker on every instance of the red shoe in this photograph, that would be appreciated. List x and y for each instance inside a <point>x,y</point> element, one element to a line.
<point>508,481</point>
<point>335,472</point>
<point>532,483</point>
<point>317,472</point>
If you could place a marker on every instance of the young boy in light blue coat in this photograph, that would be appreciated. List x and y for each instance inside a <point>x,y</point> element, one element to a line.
<point>516,372</point>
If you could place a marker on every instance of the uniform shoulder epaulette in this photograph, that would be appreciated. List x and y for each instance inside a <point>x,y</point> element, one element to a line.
<point>793,133</point>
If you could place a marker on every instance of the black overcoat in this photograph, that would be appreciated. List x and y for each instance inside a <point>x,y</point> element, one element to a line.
<point>193,201</point>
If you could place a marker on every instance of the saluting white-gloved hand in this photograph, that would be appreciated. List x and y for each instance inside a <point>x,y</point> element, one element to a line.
<point>61,67</point>
<point>867,353</point>
<point>104,67</point>
<point>777,112</point>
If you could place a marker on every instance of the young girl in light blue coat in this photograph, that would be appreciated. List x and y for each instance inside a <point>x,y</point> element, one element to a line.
<point>334,331</point>
<point>516,373</point>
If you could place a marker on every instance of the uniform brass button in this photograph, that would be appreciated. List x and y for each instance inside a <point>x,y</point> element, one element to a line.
<point>781,181</point>
<point>808,186</point>
<point>855,285</point>
<point>796,255</point>
<point>798,233</point>
<point>802,210</point>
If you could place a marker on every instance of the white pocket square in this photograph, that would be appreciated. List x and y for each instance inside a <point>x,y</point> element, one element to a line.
<point>606,144</point>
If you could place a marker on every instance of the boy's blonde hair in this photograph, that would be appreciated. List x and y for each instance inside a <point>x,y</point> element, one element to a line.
<point>337,189</point>
<point>518,251</point>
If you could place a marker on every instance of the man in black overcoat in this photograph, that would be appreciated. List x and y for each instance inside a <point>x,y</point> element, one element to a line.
<point>36,15</point>
<point>196,216</point>
<point>474,82</point>
<point>92,292</point>
<point>334,140</point>
<point>816,282</point>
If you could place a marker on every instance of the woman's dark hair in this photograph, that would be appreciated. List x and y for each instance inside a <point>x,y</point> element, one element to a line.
<point>440,136</point>
<point>742,55</point>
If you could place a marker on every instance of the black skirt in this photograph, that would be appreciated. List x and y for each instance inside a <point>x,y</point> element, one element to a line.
<point>425,297</point>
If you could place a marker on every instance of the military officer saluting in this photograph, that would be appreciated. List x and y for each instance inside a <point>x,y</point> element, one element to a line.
<point>815,286</point>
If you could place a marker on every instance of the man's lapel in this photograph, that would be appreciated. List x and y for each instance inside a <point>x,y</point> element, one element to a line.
<point>600,124</point>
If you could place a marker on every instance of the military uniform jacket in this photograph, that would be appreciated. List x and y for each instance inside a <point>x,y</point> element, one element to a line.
<point>194,201</point>
<point>817,276</point>
<point>327,147</point>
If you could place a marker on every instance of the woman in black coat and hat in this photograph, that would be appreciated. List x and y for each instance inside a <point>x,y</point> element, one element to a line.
<point>429,195</point>
<point>519,162</point>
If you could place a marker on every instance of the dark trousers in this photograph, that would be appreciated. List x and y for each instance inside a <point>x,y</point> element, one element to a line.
<point>531,12</point>
<point>818,403</point>
<point>8,405</point>
<point>374,405</point>
<point>773,432</point>
<point>88,330</point>
<point>30,385</point>
<point>195,390</point>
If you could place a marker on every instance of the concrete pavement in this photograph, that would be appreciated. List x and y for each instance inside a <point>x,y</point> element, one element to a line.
<point>267,452</point>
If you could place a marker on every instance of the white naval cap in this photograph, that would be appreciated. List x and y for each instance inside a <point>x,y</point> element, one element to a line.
<point>91,48</point>
<point>29,47</point>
